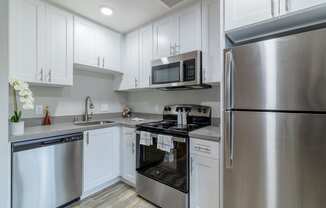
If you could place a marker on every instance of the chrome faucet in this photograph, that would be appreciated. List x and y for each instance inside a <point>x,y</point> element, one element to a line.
<point>88,106</point>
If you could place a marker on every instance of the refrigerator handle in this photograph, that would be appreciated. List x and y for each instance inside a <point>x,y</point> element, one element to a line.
<point>228,140</point>
<point>227,79</point>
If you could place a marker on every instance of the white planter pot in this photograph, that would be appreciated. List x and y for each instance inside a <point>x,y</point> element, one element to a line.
<point>17,129</point>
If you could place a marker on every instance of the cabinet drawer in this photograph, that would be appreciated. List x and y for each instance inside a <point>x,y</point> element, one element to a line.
<point>204,148</point>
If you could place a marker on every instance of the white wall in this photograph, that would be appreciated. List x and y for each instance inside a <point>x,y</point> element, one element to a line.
<point>153,101</point>
<point>71,100</point>
<point>4,145</point>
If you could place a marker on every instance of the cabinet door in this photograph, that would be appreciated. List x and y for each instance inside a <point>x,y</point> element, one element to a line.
<point>85,43</point>
<point>99,158</point>
<point>242,13</point>
<point>112,60</point>
<point>131,70</point>
<point>213,41</point>
<point>190,29</point>
<point>59,68</point>
<point>204,182</point>
<point>165,36</point>
<point>128,157</point>
<point>146,56</point>
<point>27,40</point>
<point>294,5</point>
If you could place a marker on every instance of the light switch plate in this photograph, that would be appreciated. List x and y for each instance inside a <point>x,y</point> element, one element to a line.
<point>104,107</point>
<point>39,109</point>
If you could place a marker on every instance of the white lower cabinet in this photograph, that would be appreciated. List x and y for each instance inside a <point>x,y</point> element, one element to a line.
<point>101,159</point>
<point>128,155</point>
<point>204,174</point>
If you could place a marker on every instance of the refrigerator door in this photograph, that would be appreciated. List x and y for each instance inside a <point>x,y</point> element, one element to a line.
<point>278,160</point>
<point>287,73</point>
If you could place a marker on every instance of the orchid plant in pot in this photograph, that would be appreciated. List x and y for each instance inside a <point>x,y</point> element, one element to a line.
<point>20,90</point>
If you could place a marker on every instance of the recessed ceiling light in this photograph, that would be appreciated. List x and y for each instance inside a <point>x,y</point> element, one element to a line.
<point>106,11</point>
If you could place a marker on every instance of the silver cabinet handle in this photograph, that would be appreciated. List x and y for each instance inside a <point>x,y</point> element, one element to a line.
<point>228,138</point>
<point>191,165</point>
<point>136,83</point>
<point>98,61</point>
<point>202,149</point>
<point>228,79</point>
<point>50,75</point>
<point>272,8</point>
<point>133,147</point>
<point>87,138</point>
<point>149,81</point>
<point>103,62</point>
<point>287,5</point>
<point>42,74</point>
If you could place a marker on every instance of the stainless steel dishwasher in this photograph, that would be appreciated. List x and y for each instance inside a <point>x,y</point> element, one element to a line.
<point>47,173</point>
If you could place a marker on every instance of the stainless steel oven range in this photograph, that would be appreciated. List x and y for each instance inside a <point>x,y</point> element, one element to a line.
<point>163,168</point>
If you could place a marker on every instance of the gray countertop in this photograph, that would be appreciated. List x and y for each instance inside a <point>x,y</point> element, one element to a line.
<point>37,132</point>
<point>211,133</point>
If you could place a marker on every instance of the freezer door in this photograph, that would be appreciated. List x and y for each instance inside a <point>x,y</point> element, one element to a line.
<point>287,73</point>
<point>279,161</point>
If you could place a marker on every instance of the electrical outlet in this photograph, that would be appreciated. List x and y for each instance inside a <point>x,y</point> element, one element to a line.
<point>39,109</point>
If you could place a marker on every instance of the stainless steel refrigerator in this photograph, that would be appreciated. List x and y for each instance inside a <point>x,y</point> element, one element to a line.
<point>275,123</point>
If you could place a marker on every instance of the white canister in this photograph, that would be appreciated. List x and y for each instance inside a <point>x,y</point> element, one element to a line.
<point>18,128</point>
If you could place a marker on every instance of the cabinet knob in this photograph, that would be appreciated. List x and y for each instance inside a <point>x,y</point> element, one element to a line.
<point>103,62</point>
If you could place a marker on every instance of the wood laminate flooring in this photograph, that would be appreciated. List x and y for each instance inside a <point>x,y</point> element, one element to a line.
<point>117,196</point>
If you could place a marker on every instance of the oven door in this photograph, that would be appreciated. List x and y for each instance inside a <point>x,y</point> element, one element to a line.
<point>169,168</point>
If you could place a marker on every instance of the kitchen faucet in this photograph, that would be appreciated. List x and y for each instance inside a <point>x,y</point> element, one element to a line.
<point>88,106</point>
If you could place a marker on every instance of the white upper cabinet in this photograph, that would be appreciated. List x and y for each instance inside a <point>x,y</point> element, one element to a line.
<point>26,22</point>
<point>241,13</point>
<point>190,29</point>
<point>295,5</point>
<point>84,43</point>
<point>179,32</point>
<point>59,46</point>
<point>165,36</point>
<point>41,43</point>
<point>131,62</point>
<point>146,56</point>
<point>96,46</point>
<point>213,41</point>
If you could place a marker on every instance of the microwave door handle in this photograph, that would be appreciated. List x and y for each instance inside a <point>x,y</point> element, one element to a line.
<point>181,71</point>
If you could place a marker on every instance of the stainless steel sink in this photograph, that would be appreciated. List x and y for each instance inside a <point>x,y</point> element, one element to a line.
<point>92,123</point>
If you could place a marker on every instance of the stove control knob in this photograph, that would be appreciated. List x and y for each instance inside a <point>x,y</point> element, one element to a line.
<point>169,108</point>
<point>204,111</point>
<point>199,110</point>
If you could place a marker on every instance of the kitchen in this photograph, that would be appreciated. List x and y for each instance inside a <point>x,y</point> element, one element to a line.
<point>152,97</point>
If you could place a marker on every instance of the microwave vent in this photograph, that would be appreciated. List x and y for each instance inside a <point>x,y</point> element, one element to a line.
<point>171,3</point>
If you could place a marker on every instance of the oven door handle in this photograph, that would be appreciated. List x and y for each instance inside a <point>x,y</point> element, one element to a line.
<point>175,139</point>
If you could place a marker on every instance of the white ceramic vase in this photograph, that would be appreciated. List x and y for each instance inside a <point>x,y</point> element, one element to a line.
<point>18,128</point>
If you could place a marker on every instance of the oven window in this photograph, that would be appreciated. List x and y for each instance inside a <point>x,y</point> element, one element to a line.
<point>168,168</point>
<point>166,73</point>
<point>189,70</point>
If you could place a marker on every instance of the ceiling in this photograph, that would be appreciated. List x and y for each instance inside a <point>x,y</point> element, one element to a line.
<point>128,14</point>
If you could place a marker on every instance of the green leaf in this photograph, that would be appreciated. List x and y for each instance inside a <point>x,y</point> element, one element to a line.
<point>12,119</point>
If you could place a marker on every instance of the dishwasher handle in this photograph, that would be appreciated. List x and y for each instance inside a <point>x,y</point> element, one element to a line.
<point>38,143</point>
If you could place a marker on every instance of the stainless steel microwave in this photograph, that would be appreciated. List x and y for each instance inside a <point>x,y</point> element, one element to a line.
<point>184,70</point>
